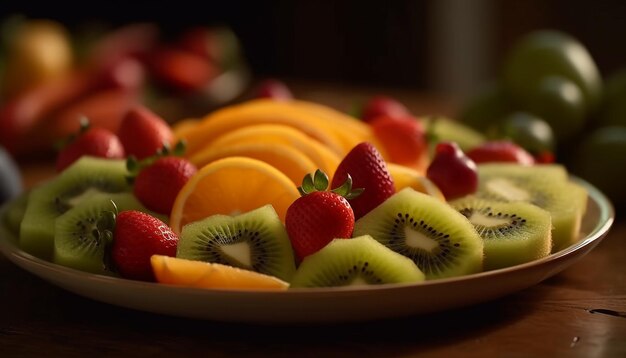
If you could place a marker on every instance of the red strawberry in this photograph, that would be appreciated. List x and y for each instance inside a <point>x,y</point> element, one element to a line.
<point>383,106</point>
<point>183,70</point>
<point>452,171</point>
<point>500,151</point>
<point>157,185</point>
<point>368,171</point>
<point>136,238</point>
<point>273,89</point>
<point>143,133</point>
<point>319,216</point>
<point>96,142</point>
<point>545,157</point>
<point>404,138</point>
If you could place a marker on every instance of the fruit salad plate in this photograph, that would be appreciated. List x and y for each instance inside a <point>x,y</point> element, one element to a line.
<point>328,305</point>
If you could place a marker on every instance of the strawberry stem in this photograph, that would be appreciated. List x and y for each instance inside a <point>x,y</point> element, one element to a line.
<point>84,127</point>
<point>318,181</point>
<point>134,166</point>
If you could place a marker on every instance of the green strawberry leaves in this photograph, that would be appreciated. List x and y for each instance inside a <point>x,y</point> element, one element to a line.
<point>134,166</point>
<point>318,181</point>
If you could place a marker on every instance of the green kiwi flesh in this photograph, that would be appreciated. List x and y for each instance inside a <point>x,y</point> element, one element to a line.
<point>445,129</point>
<point>439,239</point>
<point>360,261</point>
<point>48,201</point>
<point>79,239</point>
<point>15,213</point>
<point>256,240</point>
<point>544,186</point>
<point>513,233</point>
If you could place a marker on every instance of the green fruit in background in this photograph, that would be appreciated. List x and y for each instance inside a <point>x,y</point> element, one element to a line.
<point>528,131</point>
<point>560,102</point>
<point>613,110</point>
<point>442,129</point>
<point>546,53</point>
<point>484,110</point>
<point>601,159</point>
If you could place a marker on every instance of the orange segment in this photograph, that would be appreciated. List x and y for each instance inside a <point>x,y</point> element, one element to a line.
<point>250,113</point>
<point>323,157</point>
<point>230,186</point>
<point>184,126</point>
<point>404,177</point>
<point>293,163</point>
<point>181,272</point>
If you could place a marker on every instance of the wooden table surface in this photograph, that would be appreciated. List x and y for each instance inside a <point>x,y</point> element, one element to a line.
<point>581,312</point>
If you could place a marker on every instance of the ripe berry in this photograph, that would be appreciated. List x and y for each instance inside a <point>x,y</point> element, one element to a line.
<point>136,238</point>
<point>452,171</point>
<point>143,133</point>
<point>96,142</point>
<point>383,106</point>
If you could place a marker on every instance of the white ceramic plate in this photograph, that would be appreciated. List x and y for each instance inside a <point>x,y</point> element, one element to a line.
<point>319,305</point>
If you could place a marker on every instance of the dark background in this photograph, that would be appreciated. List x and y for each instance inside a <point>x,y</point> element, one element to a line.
<point>388,43</point>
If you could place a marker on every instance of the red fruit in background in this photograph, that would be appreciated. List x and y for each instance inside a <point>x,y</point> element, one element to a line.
<point>96,142</point>
<point>404,138</point>
<point>143,133</point>
<point>383,106</point>
<point>319,216</point>
<point>369,171</point>
<point>127,74</point>
<point>136,238</point>
<point>182,70</point>
<point>274,89</point>
<point>500,151</point>
<point>105,109</point>
<point>452,171</point>
<point>157,185</point>
<point>136,40</point>
<point>545,158</point>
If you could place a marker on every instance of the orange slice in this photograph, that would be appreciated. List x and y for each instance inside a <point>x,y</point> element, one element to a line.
<point>249,113</point>
<point>404,177</point>
<point>291,162</point>
<point>323,157</point>
<point>188,273</point>
<point>230,186</point>
<point>184,126</point>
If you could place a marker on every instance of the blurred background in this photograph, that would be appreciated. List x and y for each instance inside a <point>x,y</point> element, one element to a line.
<point>434,56</point>
<point>451,46</point>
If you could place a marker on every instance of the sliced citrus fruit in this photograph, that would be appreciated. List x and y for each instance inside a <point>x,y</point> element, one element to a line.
<point>290,161</point>
<point>352,124</point>
<point>184,126</point>
<point>404,177</point>
<point>323,157</point>
<point>233,117</point>
<point>230,186</point>
<point>188,273</point>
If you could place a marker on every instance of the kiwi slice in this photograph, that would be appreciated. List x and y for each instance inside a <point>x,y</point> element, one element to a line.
<point>80,241</point>
<point>360,261</point>
<point>48,201</point>
<point>256,241</point>
<point>513,233</point>
<point>445,129</point>
<point>544,186</point>
<point>15,213</point>
<point>440,240</point>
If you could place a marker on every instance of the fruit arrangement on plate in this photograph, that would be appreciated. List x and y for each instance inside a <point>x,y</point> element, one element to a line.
<point>278,193</point>
<point>50,76</point>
